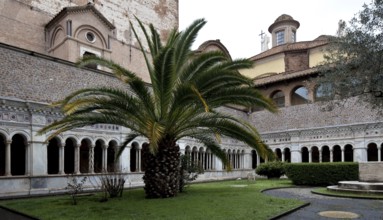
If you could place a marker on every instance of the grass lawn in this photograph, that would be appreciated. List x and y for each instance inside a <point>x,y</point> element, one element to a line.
<point>324,191</point>
<point>218,200</point>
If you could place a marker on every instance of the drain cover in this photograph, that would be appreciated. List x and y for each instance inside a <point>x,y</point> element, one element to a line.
<point>338,214</point>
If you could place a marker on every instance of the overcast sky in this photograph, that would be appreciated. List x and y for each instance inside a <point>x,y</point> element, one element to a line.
<point>238,23</point>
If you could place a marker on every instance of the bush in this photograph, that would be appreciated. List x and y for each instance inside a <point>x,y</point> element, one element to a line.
<point>273,169</point>
<point>321,174</point>
<point>189,171</point>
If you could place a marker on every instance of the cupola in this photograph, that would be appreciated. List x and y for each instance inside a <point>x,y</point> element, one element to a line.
<point>284,30</point>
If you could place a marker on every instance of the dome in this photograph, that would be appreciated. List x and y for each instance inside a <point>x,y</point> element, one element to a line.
<point>284,19</point>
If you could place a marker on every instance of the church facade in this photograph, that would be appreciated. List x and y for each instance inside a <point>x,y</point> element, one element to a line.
<point>41,40</point>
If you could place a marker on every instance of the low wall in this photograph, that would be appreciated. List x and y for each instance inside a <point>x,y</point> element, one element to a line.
<point>371,171</point>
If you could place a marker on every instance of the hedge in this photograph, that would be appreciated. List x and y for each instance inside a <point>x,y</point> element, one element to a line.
<point>274,169</point>
<point>321,174</point>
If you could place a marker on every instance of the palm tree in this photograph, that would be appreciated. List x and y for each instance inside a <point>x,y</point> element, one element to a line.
<point>186,90</point>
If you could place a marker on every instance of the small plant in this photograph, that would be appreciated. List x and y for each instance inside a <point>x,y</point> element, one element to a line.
<point>189,171</point>
<point>274,169</point>
<point>111,183</point>
<point>75,187</point>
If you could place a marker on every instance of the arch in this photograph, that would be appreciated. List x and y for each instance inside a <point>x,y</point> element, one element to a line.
<point>53,155</point>
<point>85,146</point>
<point>325,153</point>
<point>3,144</point>
<point>305,154</point>
<point>98,156</point>
<point>18,155</point>
<point>278,97</point>
<point>372,152</point>
<point>300,95</point>
<point>58,35</point>
<point>254,159</point>
<point>336,154</point>
<point>194,156</point>
<point>348,153</point>
<point>69,151</point>
<point>134,157</point>
<point>278,153</point>
<point>83,28</point>
<point>111,158</point>
<point>287,154</point>
<point>314,154</point>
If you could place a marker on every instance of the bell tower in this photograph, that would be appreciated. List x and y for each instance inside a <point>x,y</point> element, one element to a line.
<point>284,30</point>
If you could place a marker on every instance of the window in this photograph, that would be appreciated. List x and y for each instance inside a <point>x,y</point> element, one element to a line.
<point>90,37</point>
<point>300,96</point>
<point>91,65</point>
<point>280,36</point>
<point>279,98</point>
<point>293,36</point>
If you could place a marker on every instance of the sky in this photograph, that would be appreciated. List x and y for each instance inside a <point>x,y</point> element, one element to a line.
<point>237,24</point>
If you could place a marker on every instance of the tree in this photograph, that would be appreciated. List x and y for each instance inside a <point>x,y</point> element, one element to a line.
<point>354,59</point>
<point>186,90</point>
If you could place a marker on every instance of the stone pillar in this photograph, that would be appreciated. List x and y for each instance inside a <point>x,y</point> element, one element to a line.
<point>138,160</point>
<point>379,156</point>
<point>77,158</point>
<point>61,157</point>
<point>320,155</point>
<point>258,160</point>
<point>104,166</point>
<point>8,158</point>
<point>91,158</point>
<point>283,156</point>
<point>28,158</point>
<point>310,156</point>
<point>296,156</point>
<point>342,153</point>
<point>331,155</point>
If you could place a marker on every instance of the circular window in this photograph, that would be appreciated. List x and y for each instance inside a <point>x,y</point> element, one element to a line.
<point>90,37</point>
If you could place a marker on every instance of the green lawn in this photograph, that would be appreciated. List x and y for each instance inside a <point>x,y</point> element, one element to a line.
<point>218,200</point>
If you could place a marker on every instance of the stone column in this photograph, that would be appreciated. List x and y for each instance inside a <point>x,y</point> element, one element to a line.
<point>27,158</point>
<point>61,158</point>
<point>8,158</point>
<point>296,156</point>
<point>138,160</point>
<point>283,156</point>
<point>77,158</point>
<point>258,160</point>
<point>379,156</point>
<point>342,153</point>
<point>104,162</point>
<point>310,156</point>
<point>331,155</point>
<point>320,155</point>
<point>91,158</point>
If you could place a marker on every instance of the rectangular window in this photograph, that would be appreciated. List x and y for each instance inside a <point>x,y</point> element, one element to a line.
<point>280,37</point>
<point>293,37</point>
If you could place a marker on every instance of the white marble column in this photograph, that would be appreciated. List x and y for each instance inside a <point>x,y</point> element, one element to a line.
<point>28,165</point>
<point>91,158</point>
<point>77,158</point>
<point>283,156</point>
<point>331,156</point>
<point>61,157</point>
<point>138,160</point>
<point>310,156</point>
<point>379,156</point>
<point>342,155</point>
<point>104,158</point>
<point>8,158</point>
<point>320,156</point>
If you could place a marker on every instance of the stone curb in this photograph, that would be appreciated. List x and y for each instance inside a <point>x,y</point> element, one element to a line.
<point>344,196</point>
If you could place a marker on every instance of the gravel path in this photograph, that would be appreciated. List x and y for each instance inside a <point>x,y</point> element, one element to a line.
<point>365,208</point>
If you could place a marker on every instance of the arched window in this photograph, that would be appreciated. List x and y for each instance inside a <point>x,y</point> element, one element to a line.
<point>2,154</point>
<point>287,154</point>
<point>278,153</point>
<point>305,155</point>
<point>323,91</point>
<point>53,156</point>
<point>254,159</point>
<point>348,153</point>
<point>134,157</point>
<point>372,152</point>
<point>69,155</point>
<point>280,37</point>
<point>279,98</point>
<point>336,154</point>
<point>314,155</point>
<point>84,155</point>
<point>300,96</point>
<point>111,160</point>
<point>97,160</point>
<point>325,154</point>
<point>18,155</point>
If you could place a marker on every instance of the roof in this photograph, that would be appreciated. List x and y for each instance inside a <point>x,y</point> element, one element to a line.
<point>76,9</point>
<point>260,81</point>
<point>284,19</point>
<point>217,43</point>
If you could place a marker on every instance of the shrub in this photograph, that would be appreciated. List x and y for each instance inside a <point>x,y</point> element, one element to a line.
<point>321,174</point>
<point>189,171</point>
<point>74,187</point>
<point>274,169</point>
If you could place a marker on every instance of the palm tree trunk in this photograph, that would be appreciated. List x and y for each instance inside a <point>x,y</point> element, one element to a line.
<point>162,170</point>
